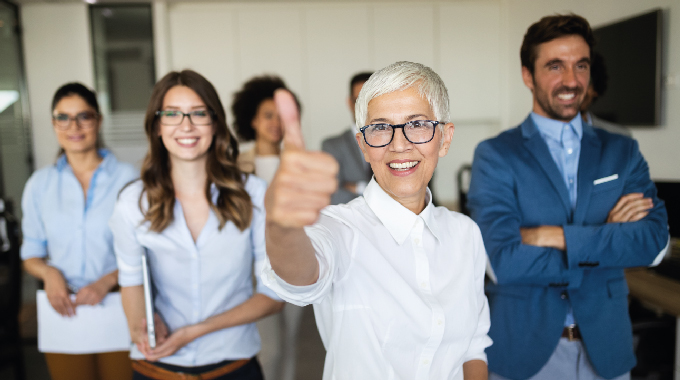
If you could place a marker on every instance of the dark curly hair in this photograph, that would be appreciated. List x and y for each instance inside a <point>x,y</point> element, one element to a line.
<point>248,99</point>
<point>549,28</point>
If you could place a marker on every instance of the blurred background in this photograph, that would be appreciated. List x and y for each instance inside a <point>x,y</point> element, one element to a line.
<point>120,48</point>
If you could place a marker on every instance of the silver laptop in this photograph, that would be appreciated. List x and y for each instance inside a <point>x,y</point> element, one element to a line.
<point>148,302</point>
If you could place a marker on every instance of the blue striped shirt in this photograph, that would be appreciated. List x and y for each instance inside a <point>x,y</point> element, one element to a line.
<point>564,142</point>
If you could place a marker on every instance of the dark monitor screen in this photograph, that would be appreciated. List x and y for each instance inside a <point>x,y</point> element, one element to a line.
<point>632,54</point>
<point>669,192</point>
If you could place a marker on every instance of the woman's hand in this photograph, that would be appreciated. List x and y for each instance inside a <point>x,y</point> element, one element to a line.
<point>95,292</point>
<point>57,292</point>
<point>168,345</point>
<point>91,294</point>
<point>141,339</point>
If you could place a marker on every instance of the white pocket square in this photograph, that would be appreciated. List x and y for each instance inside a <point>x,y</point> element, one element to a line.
<point>606,179</point>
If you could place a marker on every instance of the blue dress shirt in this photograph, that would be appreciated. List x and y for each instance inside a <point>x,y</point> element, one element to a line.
<point>195,280</point>
<point>71,230</point>
<point>564,142</point>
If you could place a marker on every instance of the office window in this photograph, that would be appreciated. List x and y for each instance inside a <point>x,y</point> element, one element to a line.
<point>16,158</point>
<point>124,69</point>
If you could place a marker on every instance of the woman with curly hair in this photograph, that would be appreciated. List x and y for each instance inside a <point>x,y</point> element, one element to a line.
<point>200,222</point>
<point>257,119</point>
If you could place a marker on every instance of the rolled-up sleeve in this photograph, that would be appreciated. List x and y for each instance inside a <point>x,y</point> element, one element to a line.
<point>322,241</point>
<point>480,339</point>
<point>126,247</point>
<point>34,242</point>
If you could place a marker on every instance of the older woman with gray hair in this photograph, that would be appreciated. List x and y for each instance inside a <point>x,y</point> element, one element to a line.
<point>396,283</point>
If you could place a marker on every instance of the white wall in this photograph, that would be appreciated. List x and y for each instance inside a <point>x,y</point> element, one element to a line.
<point>57,50</point>
<point>316,47</point>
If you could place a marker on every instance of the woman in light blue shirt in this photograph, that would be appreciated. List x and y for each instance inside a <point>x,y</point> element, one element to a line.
<point>66,240</point>
<point>200,221</point>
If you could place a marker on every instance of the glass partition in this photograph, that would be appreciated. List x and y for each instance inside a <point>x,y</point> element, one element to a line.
<point>16,161</point>
<point>122,42</point>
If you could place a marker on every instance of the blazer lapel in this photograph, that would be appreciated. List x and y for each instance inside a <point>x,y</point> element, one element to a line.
<point>588,163</point>
<point>538,148</point>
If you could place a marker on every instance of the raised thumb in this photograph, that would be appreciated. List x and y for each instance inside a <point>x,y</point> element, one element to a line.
<point>290,118</point>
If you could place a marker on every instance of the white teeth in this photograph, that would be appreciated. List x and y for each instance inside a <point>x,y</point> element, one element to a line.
<point>187,141</point>
<point>567,96</point>
<point>403,165</point>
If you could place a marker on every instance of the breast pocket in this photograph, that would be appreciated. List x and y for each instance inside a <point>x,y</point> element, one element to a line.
<point>606,186</point>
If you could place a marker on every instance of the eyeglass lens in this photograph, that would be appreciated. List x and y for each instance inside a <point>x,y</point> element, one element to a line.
<point>199,117</point>
<point>417,132</point>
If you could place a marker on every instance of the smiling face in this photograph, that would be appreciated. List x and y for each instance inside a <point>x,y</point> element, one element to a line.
<point>79,137</point>
<point>404,169</point>
<point>267,124</point>
<point>561,77</point>
<point>186,141</point>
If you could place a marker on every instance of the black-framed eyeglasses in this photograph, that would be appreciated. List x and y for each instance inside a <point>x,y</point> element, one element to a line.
<point>173,117</point>
<point>84,120</point>
<point>416,132</point>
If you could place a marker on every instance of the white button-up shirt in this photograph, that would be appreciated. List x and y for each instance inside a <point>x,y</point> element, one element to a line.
<point>195,281</point>
<point>399,295</point>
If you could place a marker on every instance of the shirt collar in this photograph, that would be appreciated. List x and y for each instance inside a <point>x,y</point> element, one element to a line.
<point>398,220</point>
<point>108,164</point>
<point>553,128</point>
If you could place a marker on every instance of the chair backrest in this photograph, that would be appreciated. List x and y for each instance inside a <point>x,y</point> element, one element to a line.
<point>463,183</point>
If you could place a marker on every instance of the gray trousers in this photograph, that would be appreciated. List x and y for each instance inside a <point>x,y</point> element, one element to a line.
<point>568,362</point>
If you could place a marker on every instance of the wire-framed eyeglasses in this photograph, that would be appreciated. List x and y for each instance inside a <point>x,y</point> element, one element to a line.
<point>416,132</point>
<point>174,117</point>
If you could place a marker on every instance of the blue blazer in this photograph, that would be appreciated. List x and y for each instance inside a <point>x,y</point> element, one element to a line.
<point>515,183</point>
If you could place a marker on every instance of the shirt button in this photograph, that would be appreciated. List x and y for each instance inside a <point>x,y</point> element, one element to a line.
<point>426,362</point>
<point>416,240</point>
<point>423,284</point>
<point>439,322</point>
<point>571,181</point>
<point>570,151</point>
<point>563,296</point>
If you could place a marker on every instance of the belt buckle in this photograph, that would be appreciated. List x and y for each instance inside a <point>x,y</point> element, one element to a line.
<point>188,376</point>
<point>570,333</point>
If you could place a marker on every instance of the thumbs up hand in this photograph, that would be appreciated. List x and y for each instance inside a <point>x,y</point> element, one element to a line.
<point>305,180</point>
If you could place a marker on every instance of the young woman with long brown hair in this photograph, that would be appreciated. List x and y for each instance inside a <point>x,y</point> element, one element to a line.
<point>200,222</point>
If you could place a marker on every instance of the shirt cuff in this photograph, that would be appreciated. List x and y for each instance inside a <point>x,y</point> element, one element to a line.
<point>129,275</point>
<point>297,295</point>
<point>31,248</point>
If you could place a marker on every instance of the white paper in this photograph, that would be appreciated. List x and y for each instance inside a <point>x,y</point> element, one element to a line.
<point>94,329</point>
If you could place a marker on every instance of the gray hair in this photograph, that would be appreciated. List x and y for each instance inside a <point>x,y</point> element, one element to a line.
<point>400,76</point>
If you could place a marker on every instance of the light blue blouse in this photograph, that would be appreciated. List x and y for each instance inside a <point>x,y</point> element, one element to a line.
<point>195,281</point>
<point>59,223</point>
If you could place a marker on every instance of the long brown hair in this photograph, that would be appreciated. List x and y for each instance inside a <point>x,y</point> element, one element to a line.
<point>233,202</point>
